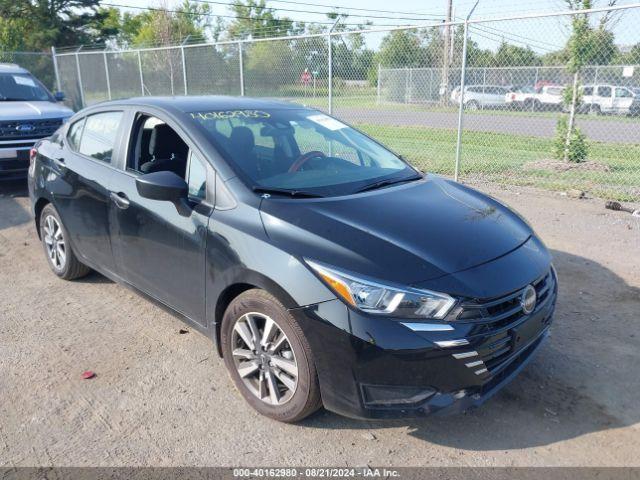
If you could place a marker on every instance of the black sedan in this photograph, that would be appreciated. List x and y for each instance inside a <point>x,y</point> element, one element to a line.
<point>326,269</point>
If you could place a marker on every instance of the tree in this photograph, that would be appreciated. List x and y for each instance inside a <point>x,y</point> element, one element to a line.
<point>512,55</point>
<point>163,27</point>
<point>632,57</point>
<point>36,25</point>
<point>255,20</point>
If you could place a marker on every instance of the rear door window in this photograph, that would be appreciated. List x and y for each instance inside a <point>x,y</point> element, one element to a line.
<point>99,135</point>
<point>75,133</point>
<point>604,91</point>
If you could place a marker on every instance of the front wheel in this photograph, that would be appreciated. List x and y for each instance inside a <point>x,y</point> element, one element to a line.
<point>269,358</point>
<point>55,240</point>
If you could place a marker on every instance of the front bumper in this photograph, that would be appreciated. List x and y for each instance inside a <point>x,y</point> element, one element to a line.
<point>14,161</point>
<point>354,351</point>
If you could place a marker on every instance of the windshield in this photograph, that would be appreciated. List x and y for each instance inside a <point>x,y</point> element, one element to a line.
<point>301,151</point>
<point>22,87</point>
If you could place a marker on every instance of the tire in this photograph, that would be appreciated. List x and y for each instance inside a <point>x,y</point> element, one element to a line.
<point>294,403</point>
<point>595,110</point>
<point>55,242</point>
<point>472,105</point>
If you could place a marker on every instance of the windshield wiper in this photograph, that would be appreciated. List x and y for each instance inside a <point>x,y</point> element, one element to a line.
<point>284,191</point>
<point>385,183</point>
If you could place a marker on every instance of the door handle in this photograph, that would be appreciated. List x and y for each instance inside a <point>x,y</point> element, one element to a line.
<point>120,199</point>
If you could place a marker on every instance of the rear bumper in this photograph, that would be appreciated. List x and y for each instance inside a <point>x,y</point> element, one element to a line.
<point>354,352</point>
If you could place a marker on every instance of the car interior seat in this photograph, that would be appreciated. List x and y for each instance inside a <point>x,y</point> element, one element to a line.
<point>242,148</point>
<point>168,152</point>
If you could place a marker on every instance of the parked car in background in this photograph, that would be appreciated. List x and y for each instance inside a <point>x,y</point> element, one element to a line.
<point>326,269</point>
<point>481,96</point>
<point>28,113</point>
<point>547,97</point>
<point>609,99</point>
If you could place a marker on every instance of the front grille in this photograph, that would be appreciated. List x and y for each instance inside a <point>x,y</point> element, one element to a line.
<point>493,336</point>
<point>19,129</point>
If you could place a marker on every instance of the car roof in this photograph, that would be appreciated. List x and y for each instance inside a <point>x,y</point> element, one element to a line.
<point>12,68</point>
<point>204,103</point>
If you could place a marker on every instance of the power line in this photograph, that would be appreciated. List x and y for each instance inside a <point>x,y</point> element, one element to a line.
<point>200,14</point>
<point>352,8</point>
<point>315,12</point>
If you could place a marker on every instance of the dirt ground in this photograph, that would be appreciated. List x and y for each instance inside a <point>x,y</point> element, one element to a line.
<point>162,398</point>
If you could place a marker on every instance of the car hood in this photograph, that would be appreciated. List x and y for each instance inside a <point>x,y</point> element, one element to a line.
<point>405,234</point>
<point>33,111</point>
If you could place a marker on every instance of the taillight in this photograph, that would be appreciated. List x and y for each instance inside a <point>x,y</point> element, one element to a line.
<point>32,154</point>
<point>513,96</point>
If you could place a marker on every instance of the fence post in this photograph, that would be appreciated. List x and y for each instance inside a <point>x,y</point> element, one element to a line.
<point>463,73</point>
<point>184,71</point>
<point>141,76</point>
<point>535,82</point>
<point>378,85</point>
<point>431,84</point>
<point>330,74</point>
<point>56,72</point>
<point>106,73</point>
<point>241,62</point>
<point>80,80</point>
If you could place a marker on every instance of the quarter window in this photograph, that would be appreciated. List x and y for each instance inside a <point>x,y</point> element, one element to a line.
<point>197,178</point>
<point>604,91</point>
<point>99,135</point>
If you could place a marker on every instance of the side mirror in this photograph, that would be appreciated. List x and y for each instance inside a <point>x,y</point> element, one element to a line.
<point>59,96</point>
<point>164,185</point>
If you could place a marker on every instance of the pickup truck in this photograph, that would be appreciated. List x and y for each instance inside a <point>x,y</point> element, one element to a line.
<point>547,97</point>
<point>28,113</point>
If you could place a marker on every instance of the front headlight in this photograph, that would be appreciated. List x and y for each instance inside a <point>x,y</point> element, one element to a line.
<point>374,297</point>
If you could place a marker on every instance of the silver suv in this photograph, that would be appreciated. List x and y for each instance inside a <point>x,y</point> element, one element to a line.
<point>481,96</point>
<point>28,113</point>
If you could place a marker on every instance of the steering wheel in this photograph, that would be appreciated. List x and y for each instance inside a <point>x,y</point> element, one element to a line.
<point>304,158</point>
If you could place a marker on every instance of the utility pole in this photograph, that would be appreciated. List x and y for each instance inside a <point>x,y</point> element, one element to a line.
<point>446,60</point>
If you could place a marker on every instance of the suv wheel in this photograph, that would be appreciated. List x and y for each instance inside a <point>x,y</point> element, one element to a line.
<point>473,105</point>
<point>268,357</point>
<point>60,256</point>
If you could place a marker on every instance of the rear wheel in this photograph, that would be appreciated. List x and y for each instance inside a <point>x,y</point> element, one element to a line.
<point>55,241</point>
<point>268,357</point>
<point>595,110</point>
<point>473,105</point>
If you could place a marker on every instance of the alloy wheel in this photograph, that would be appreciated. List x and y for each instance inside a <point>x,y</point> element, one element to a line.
<point>264,358</point>
<point>55,242</point>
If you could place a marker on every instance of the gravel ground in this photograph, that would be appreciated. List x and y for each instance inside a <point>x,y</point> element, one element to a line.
<point>600,130</point>
<point>163,398</point>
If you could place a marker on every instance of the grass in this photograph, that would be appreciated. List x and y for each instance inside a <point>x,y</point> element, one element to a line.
<point>501,158</point>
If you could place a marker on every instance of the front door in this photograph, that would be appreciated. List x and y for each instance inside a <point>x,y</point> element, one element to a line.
<point>160,247</point>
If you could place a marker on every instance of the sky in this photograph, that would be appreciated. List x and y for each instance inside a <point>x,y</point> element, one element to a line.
<point>542,35</point>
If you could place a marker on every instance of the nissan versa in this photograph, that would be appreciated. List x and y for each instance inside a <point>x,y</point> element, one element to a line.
<point>326,269</point>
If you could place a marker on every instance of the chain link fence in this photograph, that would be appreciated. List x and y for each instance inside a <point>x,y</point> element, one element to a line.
<point>478,100</point>
<point>39,64</point>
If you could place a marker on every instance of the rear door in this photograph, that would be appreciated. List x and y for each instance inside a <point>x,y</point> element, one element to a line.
<point>160,247</point>
<point>622,100</point>
<point>80,186</point>
<point>604,98</point>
